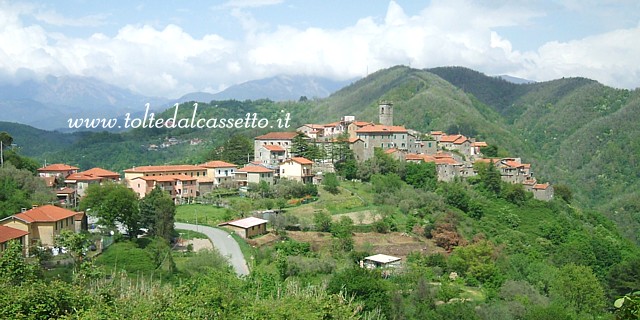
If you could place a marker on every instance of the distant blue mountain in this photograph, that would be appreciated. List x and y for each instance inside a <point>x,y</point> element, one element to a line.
<point>49,103</point>
<point>278,88</point>
<point>515,80</point>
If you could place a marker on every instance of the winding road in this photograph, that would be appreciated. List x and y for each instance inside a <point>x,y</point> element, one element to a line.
<point>226,245</point>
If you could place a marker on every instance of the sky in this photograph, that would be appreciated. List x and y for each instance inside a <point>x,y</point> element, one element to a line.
<point>170,48</point>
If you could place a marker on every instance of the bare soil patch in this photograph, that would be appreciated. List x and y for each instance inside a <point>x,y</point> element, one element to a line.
<point>393,243</point>
<point>364,215</point>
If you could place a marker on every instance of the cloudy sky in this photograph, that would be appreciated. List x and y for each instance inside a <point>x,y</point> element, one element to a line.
<point>169,48</point>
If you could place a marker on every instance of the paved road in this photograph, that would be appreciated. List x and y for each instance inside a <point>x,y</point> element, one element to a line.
<point>226,245</point>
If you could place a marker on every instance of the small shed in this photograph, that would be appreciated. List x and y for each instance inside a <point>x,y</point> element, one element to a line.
<point>381,261</point>
<point>247,227</point>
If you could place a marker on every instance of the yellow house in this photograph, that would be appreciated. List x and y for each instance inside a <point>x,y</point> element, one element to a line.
<point>221,172</point>
<point>42,224</point>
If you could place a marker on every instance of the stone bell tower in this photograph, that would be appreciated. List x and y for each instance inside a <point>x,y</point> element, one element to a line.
<point>385,112</point>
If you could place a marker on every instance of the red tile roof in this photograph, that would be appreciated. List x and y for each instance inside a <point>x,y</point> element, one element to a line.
<point>436,133</point>
<point>420,157</point>
<point>218,164</point>
<point>46,213</point>
<point>277,136</point>
<point>363,123</point>
<point>254,169</point>
<point>83,177</point>
<point>8,233</point>
<point>65,190</point>
<point>274,148</point>
<point>99,172</point>
<point>58,167</point>
<point>381,128</point>
<point>480,144</point>
<point>541,186</point>
<point>79,216</point>
<point>301,160</point>
<point>49,181</point>
<point>168,168</point>
<point>452,138</point>
<point>461,140</point>
<point>390,151</point>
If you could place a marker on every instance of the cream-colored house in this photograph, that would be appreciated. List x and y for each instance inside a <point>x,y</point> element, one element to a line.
<point>221,172</point>
<point>57,170</point>
<point>254,174</point>
<point>80,181</point>
<point>42,224</point>
<point>297,168</point>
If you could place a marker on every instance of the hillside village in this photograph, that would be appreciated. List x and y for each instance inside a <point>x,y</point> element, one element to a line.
<point>454,155</point>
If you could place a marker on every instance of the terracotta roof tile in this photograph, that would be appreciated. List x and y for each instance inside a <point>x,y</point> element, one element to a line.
<point>301,160</point>
<point>277,136</point>
<point>8,233</point>
<point>541,186</point>
<point>381,128</point>
<point>49,181</point>
<point>58,167</point>
<point>218,164</point>
<point>274,148</point>
<point>450,138</point>
<point>46,213</point>
<point>102,173</point>
<point>168,168</point>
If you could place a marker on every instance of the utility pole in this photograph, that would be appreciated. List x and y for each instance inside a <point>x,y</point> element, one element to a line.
<point>1,155</point>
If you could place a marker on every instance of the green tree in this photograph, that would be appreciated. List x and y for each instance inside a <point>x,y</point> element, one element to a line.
<point>490,177</point>
<point>14,268</point>
<point>365,285</point>
<point>111,203</point>
<point>342,231</point>
<point>421,175</point>
<point>157,213</point>
<point>6,139</point>
<point>301,147</point>
<point>76,245</point>
<point>563,192</point>
<point>578,288</point>
<point>322,221</point>
<point>237,149</point>
<point>490,151</point>
<point>330,183</point>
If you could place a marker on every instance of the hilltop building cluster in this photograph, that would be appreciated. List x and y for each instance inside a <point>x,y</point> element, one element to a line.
<point>453,154</point>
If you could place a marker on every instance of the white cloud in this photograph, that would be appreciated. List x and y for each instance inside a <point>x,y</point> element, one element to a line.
<point>168,61</point>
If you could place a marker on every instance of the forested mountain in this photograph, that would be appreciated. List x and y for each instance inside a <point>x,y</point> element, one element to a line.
<point>577,131</point>
<point>574,131</point>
